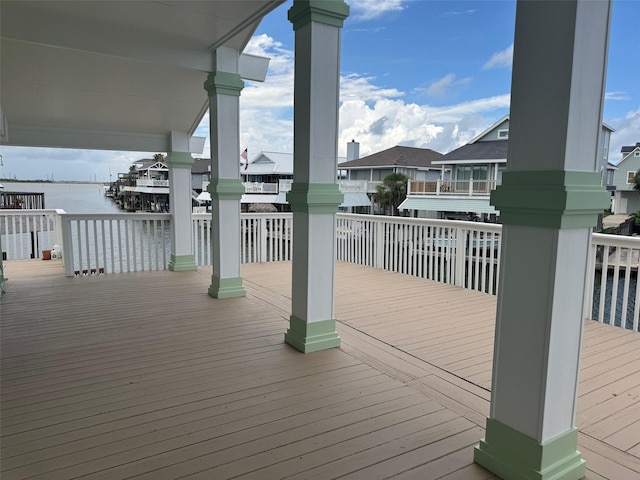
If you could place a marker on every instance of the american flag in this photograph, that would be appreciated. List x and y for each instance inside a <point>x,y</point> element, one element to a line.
<point>244,156</point>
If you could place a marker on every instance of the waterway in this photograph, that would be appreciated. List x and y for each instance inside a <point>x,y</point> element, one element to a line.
<point>70,197</point>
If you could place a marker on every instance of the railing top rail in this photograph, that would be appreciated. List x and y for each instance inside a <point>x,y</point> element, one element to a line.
<point>32,211</point>
<point>117,216</point>
<point>615,240</point>
<point>488,227</point>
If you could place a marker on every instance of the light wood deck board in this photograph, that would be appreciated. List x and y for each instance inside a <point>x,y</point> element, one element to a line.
<point>216,392</point>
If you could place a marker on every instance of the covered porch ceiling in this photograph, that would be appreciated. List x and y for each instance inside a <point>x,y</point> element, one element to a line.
<point>114,75</point>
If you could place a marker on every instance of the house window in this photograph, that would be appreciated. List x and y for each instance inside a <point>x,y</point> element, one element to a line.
<point>503,134</point>
<point>630,176</point>
<point>636,154</point>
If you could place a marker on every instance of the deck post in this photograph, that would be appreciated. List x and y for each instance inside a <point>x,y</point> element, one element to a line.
<point>314,195</point>
<point>549,200</point>
<point>223,87</point>
<point>180,161</point>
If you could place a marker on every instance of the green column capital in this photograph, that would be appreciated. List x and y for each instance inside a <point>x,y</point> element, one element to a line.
<point>224,83</point>
<point>551,199</point>
<point>179,160</point>
<point>225,189</point>
<point>329,12</point>
<point>315,197</point>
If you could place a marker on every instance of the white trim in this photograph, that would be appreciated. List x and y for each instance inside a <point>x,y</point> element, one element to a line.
<point>470,162</point>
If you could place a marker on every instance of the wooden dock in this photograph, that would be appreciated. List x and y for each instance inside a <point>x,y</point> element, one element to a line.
<point>145,375</point>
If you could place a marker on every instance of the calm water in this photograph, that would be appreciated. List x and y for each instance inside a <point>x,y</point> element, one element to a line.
<point>70,197</point>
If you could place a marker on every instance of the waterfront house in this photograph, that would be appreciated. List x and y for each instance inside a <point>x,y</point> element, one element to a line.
<point>415,163</point>
<point>130,76</point>
<point>471,172</point>
<point>266,179</point>
<point>626,197</point>
<point>150,191</point>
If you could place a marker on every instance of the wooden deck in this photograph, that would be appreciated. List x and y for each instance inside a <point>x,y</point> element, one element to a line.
<point>143,375</point>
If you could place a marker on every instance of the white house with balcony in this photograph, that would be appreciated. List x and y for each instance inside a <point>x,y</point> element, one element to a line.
<point>261,177</point>
<point>148,190</point>
<point>471,172</point>
<point>626,199</point>
<point>368,172</point>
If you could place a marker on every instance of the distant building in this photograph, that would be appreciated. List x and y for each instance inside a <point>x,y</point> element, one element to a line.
<point>626,199</point>
<point>469,173</point>
<point>368,172</point>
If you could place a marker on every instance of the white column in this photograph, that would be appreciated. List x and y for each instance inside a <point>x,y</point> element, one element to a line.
<point>314,195</point>
<point>224,87</point>
<point>549,200</point>
<point>180,162</point>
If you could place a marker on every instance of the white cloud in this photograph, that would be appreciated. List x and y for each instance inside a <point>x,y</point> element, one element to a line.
<point>627,132</point>
<point>375,116</point>
<point>455,13</point>
<point>616,96</point>
<point>502,59</point>
<point>371,9</point>
<point>390,122</point>
<point>442,86</point>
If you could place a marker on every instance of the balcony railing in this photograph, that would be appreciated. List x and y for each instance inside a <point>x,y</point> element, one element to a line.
<point>257,187</point>
<point>346,186</point>
<point>152,182</point>
<point>466,254</point>
<point>450,187</point>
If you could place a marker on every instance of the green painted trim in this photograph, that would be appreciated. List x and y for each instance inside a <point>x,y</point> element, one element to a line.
<point>180,160</point>
<point>224,83</point>
<point>225,189</point>
<point>511,454</point>
<point>182,263</point>
<point>313,336</point>
<point>315,197</point>
<point>226,287</point>
<point>551,199</point>
<point>329,12</point>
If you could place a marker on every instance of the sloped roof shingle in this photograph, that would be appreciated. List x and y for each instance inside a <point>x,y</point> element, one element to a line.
<point>486,150</point>
<point>397,156</point>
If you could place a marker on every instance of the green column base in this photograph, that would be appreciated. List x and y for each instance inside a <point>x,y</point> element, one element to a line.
<point>311,337</point>
<point>226,287</point>
<point>511,454</point>
<point>182,263</point>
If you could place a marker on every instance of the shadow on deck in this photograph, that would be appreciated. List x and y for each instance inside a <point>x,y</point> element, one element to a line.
<point>113,376</point>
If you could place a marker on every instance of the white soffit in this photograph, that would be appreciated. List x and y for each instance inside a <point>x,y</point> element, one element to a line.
<point>115,75</point>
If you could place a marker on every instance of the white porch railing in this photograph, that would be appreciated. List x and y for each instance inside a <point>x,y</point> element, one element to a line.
<point>25,233</point>
<point>450,187</point>
<point>264,237</point>
<point>613,269</point>
<point>466,254</point>
<point>115,243</point>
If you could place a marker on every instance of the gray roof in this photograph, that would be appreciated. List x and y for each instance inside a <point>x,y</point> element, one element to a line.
<point>201,165</point>
<point>630,149</point>
<point>487,150</point>
<point>397,156</point>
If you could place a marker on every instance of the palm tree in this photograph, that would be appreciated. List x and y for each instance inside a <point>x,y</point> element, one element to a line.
<point>636,180</point>
<point>392,192</point>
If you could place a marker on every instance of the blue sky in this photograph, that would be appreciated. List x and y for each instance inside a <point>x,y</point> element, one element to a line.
<point>421,73</point>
